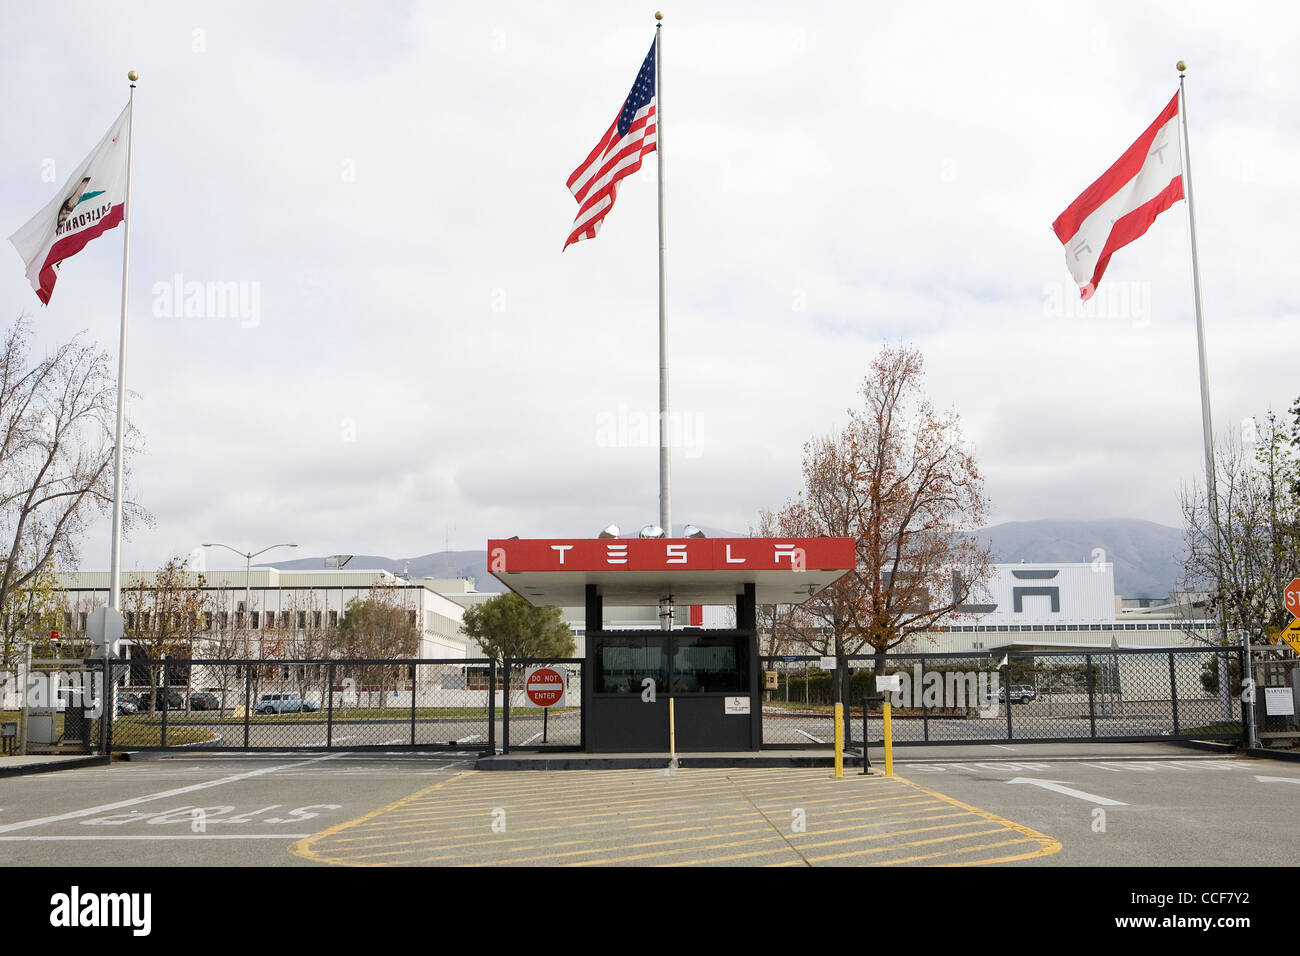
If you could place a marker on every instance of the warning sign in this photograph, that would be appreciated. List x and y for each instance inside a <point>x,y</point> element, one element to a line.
<point>544,686</point>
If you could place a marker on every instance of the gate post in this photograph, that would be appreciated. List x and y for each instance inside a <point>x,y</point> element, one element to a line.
<point>162,739</point>
<point>329,705</point>
<point>412,705</point>
<point>492,707</point>
<point>505,705</point>
<point>1007,693</point>
<point>1173,691</point>
<point>925,713</point>
<point>248,698</point>
<point>1246,708</point>
<point>1092,695</point>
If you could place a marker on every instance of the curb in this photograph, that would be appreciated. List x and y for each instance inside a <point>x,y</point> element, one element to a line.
<point>1290,755</point>
<point>95,760</point>
<point>655,762</point>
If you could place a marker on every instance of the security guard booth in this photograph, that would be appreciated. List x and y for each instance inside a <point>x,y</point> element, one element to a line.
<point>711,674</point>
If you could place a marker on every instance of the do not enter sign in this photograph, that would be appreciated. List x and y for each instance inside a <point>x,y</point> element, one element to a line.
<point>544,686</point>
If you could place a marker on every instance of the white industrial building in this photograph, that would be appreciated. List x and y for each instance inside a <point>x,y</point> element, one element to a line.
<point>1040,606</point>
<point>284,606</point>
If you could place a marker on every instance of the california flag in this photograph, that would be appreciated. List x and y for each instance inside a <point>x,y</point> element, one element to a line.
<point>1121,205</point>
<point>92,202</point>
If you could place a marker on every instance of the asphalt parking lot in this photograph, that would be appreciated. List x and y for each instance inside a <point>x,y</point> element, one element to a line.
<point>1023,805</point>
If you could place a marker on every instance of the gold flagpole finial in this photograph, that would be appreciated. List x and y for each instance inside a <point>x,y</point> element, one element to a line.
<point>132,76</point>
<point>659,14</point>
<point>1181,67</point>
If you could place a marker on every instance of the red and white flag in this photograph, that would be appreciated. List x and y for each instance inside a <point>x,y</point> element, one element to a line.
<point>632,135</point>
<point>1121,205</point>
<point>92,202</point>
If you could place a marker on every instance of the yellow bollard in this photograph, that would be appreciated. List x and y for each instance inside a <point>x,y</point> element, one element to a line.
<point>889,743</point>
<point>839,741</point>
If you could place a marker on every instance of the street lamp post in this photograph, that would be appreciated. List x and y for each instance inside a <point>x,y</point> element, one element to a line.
<point>248,573</point>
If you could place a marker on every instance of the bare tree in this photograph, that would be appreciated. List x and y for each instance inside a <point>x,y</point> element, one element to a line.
<point>57,421</point>
<point>382,626</point>
<point>901,482</point>
<point>165,618</point>
<point>226,637</point>
<point>1242,557</point>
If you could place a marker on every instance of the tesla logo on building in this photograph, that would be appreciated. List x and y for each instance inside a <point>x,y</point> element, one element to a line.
<point>1018,594</point>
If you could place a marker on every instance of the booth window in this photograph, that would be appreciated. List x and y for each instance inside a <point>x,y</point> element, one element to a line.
<point>710,664</point>
<point>622,663</point>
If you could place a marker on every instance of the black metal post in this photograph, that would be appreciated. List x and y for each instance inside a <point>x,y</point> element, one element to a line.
<point>248,700</point>
<point>162,739</point>
<point>505,705</point>
<point>546,712</point>
<point>866,755</point>
<point>329,705</point>
<point>413,705</point>
<point>1092,694</point>
<point>1245,717</point>
<point>1173,691</point>
<point>1006,682</point>
<point>492,708</point>
<point>925,710</point>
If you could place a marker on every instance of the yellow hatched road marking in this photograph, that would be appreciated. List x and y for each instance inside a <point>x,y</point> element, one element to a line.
<point>712,806</point>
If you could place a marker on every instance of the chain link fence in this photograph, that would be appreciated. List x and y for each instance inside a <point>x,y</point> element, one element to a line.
<point>528,726</point>
<point>64,713</point>
<point>1046,696</point>
<point>1277,689</point>
<point>306,705</point>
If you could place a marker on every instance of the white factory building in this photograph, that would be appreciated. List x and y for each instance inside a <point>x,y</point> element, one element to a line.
<point>1043,606</point>
<point>282,606</point>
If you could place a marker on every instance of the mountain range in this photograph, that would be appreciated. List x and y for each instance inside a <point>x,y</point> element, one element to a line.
<point>1148,557</point>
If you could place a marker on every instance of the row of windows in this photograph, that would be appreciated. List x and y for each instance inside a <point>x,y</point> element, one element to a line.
<point>1117,626</point>
<point>265,621</point>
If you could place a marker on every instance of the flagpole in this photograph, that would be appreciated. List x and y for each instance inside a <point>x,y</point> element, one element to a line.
<point>1207,429</point>
<point>665,482</point>
<point>115,575</point>
<point>665,508</point>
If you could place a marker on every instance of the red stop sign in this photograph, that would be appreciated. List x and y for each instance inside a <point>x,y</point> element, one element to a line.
<point>544,686</point>
<point>1291,597</point>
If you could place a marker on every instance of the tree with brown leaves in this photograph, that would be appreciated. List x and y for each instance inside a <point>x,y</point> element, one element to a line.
<point>899,480</point>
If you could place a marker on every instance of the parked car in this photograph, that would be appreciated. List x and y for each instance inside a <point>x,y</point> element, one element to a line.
<point>203,700</point>
<point>1020,694</point>
<point>175,700</point>
<point>127,704</point>
<point>1027,693</point>
<point>284,704</point>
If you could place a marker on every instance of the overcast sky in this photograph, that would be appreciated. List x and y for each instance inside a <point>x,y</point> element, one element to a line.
<point>389,179</point>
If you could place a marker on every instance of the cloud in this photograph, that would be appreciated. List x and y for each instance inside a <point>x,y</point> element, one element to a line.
<point>392,180</point>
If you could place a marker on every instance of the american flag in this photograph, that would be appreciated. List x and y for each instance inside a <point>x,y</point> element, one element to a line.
<point>632,135</point>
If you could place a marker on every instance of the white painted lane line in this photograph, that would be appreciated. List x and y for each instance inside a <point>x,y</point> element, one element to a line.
<point>1278,779</point>
<point>809,736</point>
<point>104,808</point>
<point>1058,786</point>
<point>1001,747</point>
<point>531,739</point>
<point>161,836</point>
